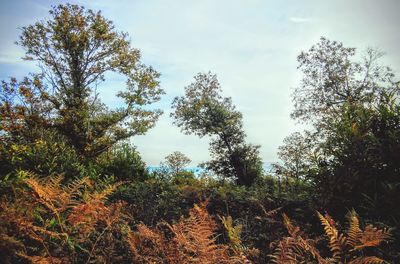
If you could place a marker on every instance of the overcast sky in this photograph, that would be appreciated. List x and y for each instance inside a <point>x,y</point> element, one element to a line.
<point>251,45</point>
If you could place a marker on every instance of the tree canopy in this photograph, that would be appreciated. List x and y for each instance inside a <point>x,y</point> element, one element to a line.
<point>332,77</point>
<point>353,107</point>
<point>75,48</point>
<point>177,161</point>
<point>73,189</point>
<point>297,154</point>
<point>203,111</point>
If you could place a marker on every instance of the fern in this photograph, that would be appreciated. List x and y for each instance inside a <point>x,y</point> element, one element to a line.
<point>295,249</point>
<point>345,248</point>
<point>354,232</point>
<point>336,240</point>
<point>192,241</point>
<point>87,212</point>
<point>48,212</point>
<point>232,231</point>
<point>195,236</point>
<point>367,260</point>
<point>372,237</point>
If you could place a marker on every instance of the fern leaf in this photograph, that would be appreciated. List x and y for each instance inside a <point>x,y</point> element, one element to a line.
<point>335,241</point>
<point>295,249</point>
<point>193,241</point>
<point>40,259</point>
<point>73,188</point>
<point>285,252</point>
<point>293,230</point>
<point>367,260</point>
<point>233,231</point>
<point>372,237</point>
<point>354,232</point>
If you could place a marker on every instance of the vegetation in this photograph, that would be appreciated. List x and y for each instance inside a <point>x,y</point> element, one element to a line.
<point>73,189</point>
<point>177,162</point>
<point>204,112</point>
<point>74,50</point>
<point>344,248</point>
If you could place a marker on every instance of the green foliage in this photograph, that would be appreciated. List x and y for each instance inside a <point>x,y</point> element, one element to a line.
<point>75,48</point>
<point>363,151</point>
<point>46,155</point>
<point>123,162</point>
<point>353,151</point>
<point>155,200</point>
<point>185,178</point>
<point>177,161</point>
<point>296,154</point>
<point>204,112</point>
<point>332,78</point>
<point>232,231</point>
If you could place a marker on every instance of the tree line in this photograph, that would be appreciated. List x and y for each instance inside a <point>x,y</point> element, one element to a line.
<point>53,122</point>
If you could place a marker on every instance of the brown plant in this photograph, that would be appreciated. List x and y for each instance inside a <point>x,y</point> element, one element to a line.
<point>191,240</point>
<point>72,217</point>
<point>345,248</point>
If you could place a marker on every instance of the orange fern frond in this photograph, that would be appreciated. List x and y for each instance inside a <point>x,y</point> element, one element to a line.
<point>344,248</point>
<point>270,213</point>
<point>287,251</point>
<point>37,214</point>
<point>85,214</point>
<point>295,249</point>
<point>195,236</point>
<point>106,191</point>
<point>292,230</point>
<point>149,246</point>
<point>193,241</point>
<point>372,237</point>
<point>40,259</point>
<point>354,232</point>
<point>46,193</point>
<point>52,194</point>
<point>336,240</point>
<point>367,260</point>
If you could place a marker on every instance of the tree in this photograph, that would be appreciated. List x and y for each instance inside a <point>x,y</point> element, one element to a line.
<point>362,155</point>
<point>75,49</point>
<point>296,154</point>
<point>354,108</point>
<point>204,112</point>
<point>177,161</point>
<point>331,78</point>
<point>243,161</point>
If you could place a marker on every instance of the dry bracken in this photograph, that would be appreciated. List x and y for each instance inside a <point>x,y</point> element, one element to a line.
<point>345,248</point>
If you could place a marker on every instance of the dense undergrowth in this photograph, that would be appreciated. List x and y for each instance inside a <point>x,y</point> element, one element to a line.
<point>179,220</point>
<point>74,190</point>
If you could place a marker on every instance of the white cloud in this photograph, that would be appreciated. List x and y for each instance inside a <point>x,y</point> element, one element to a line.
<point>251,46</point>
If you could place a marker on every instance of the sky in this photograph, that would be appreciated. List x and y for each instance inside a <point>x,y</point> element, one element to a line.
<point>251,45</point>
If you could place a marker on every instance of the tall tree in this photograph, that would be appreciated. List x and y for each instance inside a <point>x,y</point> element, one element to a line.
<point>75,48</point>
<point>354,108</point>
<point>203,111</point>
<point>332,77</point>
